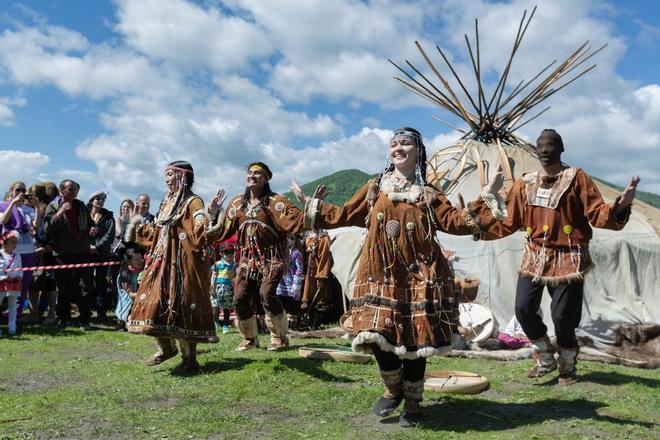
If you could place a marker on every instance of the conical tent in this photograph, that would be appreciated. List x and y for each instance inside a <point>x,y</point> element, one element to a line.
<point>623,285</point>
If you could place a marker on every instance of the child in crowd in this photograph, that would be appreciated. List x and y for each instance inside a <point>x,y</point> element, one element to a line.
<point>127,282</point>
<point>10,282</point>
<point>222,290</point>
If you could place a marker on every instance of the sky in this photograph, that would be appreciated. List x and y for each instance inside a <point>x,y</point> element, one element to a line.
<point>108,92</point>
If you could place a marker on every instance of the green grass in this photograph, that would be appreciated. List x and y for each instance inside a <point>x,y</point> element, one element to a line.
<point>96,385</point>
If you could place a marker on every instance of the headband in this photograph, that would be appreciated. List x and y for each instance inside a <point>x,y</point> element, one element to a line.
<point>173,168</point>
<point>260,166</point>
<point>406,134</point>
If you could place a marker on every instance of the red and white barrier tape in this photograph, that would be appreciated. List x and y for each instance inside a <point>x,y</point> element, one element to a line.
<point>61,266</point>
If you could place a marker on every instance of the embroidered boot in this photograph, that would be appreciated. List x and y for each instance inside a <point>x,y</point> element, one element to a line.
<point>544,357</point>
<point>188,363</point>
<point>166,350</point>
<point>412,410</point>
<point>567,369</point>
<point>278,326</point>
<point>249,331</point>
<point>393,395</point>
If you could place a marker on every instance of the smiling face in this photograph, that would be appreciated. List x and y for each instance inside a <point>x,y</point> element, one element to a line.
<point>143,202</point>
<point>403,152</point>
<point>125,209</point>
<point>98,202</point>
<point>256,179</point>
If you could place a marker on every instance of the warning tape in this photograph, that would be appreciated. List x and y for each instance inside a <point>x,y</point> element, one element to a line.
<point>61,266</point>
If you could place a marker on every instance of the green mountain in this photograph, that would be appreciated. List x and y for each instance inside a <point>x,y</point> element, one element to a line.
<point>646,197</point>
<point>341,186</point>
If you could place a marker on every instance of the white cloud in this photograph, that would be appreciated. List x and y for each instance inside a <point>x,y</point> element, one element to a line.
<point>20,165</point>
<point>189,35</point>
<point>64,58</point>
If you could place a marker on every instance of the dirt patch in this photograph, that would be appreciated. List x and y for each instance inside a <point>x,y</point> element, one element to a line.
<point>34,381</point>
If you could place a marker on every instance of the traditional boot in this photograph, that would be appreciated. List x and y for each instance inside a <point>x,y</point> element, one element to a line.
<point>567,361</point>
<point>166,350</point>
<point>278,326</point>
<point>188,363</point>
<point>412,410</point>
<point>393,395</point>
<point>544,356</point>
<point>249,331</point>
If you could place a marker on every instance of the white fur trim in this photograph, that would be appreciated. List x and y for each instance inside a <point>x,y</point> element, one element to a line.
<point>496,204</point>
<point>200,214</point>
<point>129,234</point>
<point>312,207</point>
<point>363,341</point>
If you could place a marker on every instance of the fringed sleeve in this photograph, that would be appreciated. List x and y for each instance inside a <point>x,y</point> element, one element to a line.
<point>599,213</point>
<point>328,216</point>
<point>142,234</point>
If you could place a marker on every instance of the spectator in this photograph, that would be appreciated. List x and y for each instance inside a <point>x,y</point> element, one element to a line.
<point>291,285</point>
<point>142,204</point>
<point>122,220</point>
<point>16,215</point>
<point>222,290</point>
<point>103,235</point>
<point>127,282</point>
<point>10,282</point>
<point>67,224</point>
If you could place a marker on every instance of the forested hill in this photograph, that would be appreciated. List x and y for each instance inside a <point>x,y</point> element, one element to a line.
<point>341,186</point>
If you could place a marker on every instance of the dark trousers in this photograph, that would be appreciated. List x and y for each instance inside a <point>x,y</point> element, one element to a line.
<point>566,309</point>
<point>103,302</point>
<point>69,288</point>
<point>264,289</point>
<point>413,369</point>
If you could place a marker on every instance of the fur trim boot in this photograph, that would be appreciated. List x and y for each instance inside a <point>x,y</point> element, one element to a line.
<point>412,410</point>
<point>278,326</point>
<point>393,395</point>
<point>544,356</point>
<point>567,365</point>
<point>188,363</point>
<point>166,350</point>
<point>249,331</point>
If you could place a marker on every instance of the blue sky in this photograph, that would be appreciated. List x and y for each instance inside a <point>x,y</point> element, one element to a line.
<point>109,91</point>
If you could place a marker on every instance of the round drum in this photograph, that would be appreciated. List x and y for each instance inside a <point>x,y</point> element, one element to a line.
<point>478,322</point>
<point>457,382</point>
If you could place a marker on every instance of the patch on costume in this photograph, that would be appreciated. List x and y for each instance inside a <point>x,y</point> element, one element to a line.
<point>182,236</point>
<point>281,208</point>
<point>231,212</point>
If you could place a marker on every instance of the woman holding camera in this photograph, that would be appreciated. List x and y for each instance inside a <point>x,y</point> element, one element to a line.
<point>16,215</point>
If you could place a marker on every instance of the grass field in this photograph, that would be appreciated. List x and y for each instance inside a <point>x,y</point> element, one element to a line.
<point>73,384</point>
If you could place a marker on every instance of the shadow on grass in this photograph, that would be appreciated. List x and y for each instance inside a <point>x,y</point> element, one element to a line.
<point>612,378</point>
<point>314,368</point>
<point>216,367</point>
<point>484,415</point>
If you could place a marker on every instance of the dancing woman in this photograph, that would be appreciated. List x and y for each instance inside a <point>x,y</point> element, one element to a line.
<point>404,303</point>
<point>172,301</point>
<point>262,220</point>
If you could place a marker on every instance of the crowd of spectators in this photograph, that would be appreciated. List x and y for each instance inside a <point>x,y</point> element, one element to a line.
<point>46,225</point>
